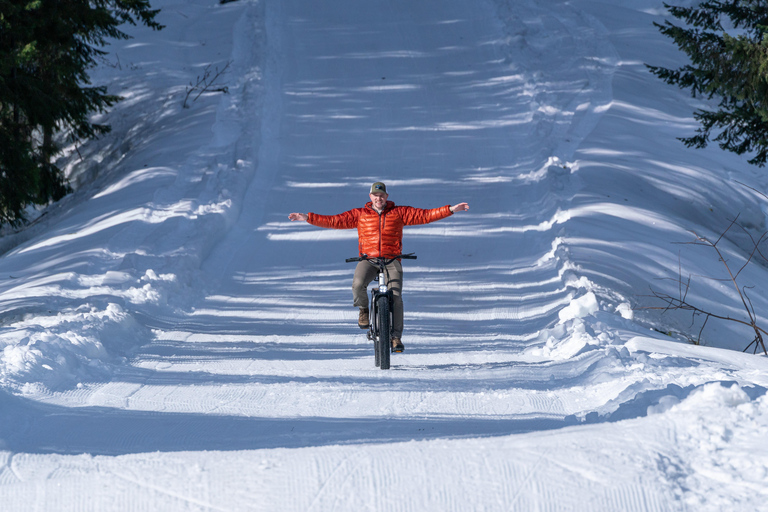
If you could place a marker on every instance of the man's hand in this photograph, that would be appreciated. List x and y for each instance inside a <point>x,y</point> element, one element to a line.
<point>459,207</point>
<point>299,216</point>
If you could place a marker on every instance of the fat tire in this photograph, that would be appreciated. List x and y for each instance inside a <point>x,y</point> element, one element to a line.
<point>384,341</point>
<point>372,335</point>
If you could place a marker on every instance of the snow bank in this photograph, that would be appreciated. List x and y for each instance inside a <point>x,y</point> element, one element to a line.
<point>153,198</point>
<point>708,396</point>
<point>66,348</point>
<point>721,429</point>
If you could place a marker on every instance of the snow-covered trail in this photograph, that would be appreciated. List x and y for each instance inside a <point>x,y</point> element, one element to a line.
<point>445,103</point>
<point>409,94</point>
<point>246,383</point>
<point>396,93</point>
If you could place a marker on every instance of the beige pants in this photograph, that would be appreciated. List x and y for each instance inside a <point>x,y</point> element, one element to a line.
<point>367,272</point>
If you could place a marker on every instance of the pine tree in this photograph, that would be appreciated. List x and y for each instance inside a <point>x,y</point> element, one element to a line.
<point>731,67</point>
<point>18,170</point>
<point>46,50</point>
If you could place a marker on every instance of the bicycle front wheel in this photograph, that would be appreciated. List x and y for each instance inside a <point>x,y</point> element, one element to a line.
<point>372,330</point>
<point>382,319</point>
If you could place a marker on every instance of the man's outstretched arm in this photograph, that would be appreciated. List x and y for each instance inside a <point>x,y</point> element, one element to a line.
<point>346,220</point>
<point>414,216</point>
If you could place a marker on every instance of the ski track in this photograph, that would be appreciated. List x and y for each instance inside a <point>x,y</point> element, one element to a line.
<point>258,392</point>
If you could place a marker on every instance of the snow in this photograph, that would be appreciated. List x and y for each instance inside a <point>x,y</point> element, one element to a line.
<point>170,341</point>
<point>579,307</point>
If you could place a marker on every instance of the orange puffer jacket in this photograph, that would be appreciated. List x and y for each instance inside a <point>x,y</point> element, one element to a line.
<point>380,234</point>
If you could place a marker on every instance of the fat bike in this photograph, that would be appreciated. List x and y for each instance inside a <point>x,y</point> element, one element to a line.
<point>380,311</point>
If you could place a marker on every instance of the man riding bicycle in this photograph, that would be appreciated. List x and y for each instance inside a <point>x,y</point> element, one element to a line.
<point>380,234</point>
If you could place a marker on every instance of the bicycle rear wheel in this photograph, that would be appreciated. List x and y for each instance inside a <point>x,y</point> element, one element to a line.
<point>384,341</point>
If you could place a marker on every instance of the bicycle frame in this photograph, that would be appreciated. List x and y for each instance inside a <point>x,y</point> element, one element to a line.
<point>380,323</point>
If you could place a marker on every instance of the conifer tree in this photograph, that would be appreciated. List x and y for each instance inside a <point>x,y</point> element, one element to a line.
<point>732,67</point>
<point>46,50</point>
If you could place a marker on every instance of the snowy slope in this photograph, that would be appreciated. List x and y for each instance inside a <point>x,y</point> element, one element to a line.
<point>172,342</point>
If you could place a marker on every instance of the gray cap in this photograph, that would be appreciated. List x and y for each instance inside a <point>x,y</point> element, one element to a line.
<point>378,188</point>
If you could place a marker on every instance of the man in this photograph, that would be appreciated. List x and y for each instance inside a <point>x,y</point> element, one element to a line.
<point>380,234</point>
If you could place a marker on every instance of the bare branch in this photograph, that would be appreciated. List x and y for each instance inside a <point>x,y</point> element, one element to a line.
<point>759,241</point>
<point>740,183</point>
<point>680,303</point>
<point>205,83</point>
<point>751,255</point>
<point>698,339</point>
<point>680,275</point>
<point>727,229</point>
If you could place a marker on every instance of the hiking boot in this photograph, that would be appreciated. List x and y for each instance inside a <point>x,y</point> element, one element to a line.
<point>397,345</point>
<point>362,319</point>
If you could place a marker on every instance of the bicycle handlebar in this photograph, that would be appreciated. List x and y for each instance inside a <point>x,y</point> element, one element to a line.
<point>365,257</point>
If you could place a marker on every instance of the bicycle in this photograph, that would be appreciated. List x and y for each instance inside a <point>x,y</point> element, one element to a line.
<point>380,311</point>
